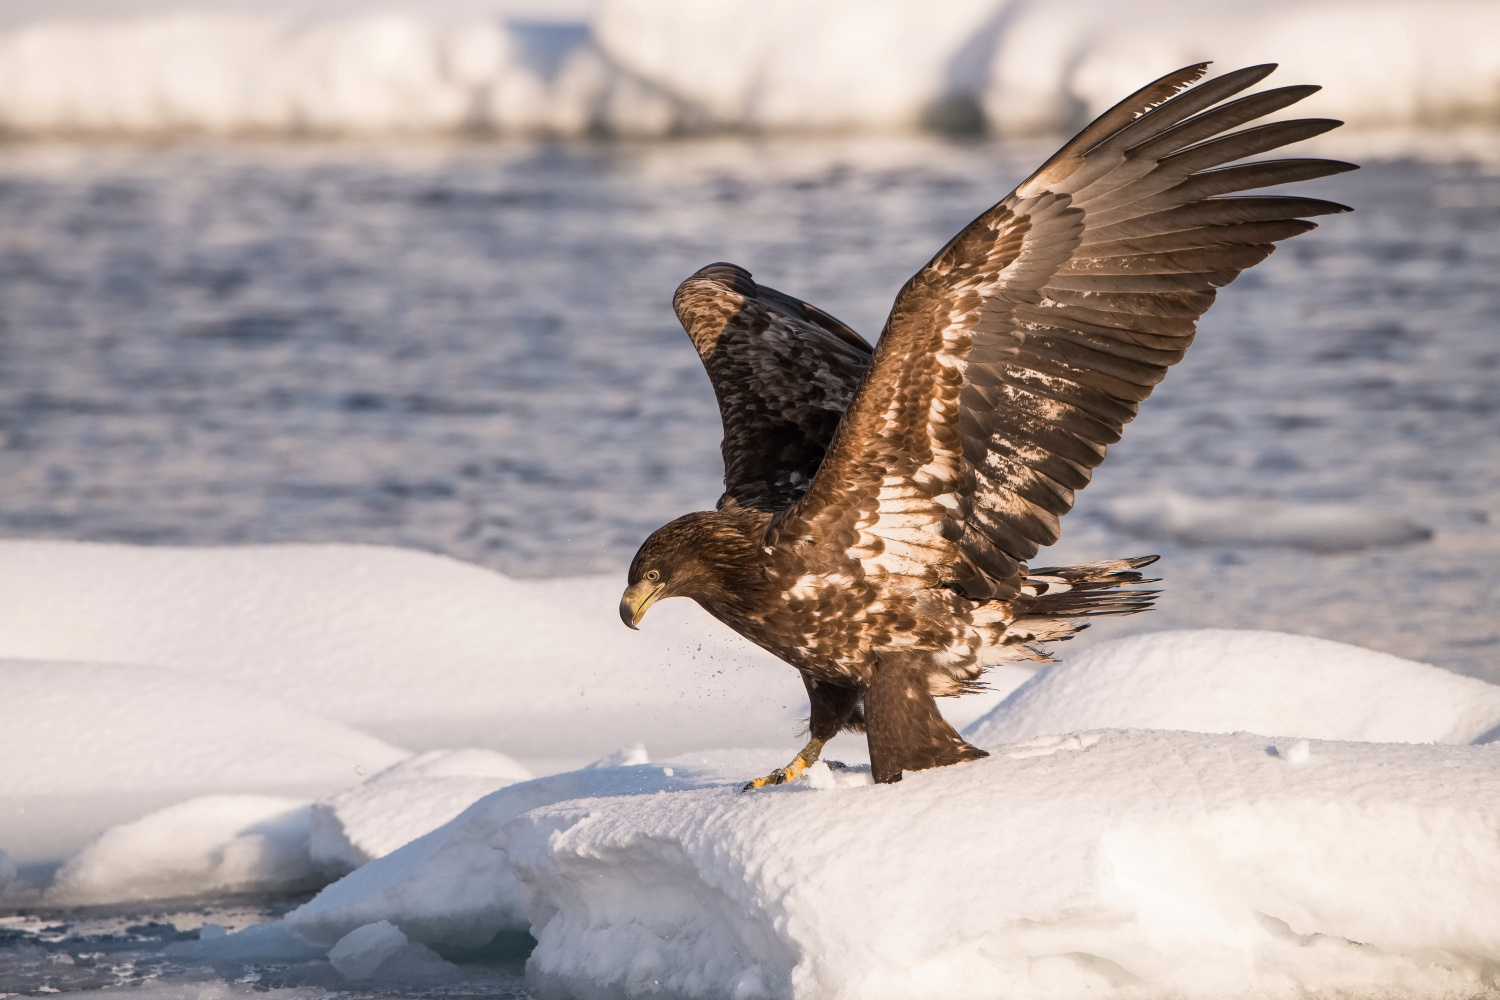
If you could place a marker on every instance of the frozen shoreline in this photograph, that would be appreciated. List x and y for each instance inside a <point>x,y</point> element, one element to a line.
<point>653,67</point>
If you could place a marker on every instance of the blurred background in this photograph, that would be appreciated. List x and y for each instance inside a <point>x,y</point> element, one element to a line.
<point>286,270</point>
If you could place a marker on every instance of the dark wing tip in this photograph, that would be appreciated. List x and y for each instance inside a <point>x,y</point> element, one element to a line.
<point>731,276</point>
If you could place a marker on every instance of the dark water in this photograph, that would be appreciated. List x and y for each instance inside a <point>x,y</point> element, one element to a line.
<point>469,349</point>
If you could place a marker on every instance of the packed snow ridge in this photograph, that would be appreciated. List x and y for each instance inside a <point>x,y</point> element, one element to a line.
<point>654,67</point>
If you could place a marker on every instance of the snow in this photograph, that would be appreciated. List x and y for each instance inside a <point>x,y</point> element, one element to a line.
<point>421,650</point>
<point>400,804</point>
<point>212,845</point>
<point>1221,681</point>
<point>651,67</point>
<point>1112,863</point>
<point>105,743</point>
<point>1242,521</point>
<point>453,887</point>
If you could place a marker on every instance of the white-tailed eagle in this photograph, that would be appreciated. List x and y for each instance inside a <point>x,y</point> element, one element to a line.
<point>880,505</point>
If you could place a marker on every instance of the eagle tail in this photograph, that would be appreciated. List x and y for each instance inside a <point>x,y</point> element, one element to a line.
<point>1055,604</point>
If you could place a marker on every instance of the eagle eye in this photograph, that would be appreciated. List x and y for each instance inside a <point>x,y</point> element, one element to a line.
<point>653,575</point>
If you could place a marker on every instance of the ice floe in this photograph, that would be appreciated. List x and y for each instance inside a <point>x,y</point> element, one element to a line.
<point>212,845</point>
<point>652,67</point>
<point>1112,863</point>
<point>106,743</point>
<point>1224,681</point>
<point>1241,521</point>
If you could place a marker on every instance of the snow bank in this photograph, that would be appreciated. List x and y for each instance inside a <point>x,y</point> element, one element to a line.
<point>422,650</point>
<point>1238,521</point>
<point>1223,681</point>
<point>649,67</point>
<point>1108,864</point>
<point>453,887</point>
<point>1024,67</point>
<point>214,845</point>
<point>373,71</point>
<point>105,743</point>
<point>403,802</point>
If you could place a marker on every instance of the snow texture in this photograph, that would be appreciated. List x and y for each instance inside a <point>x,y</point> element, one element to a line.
<point>651,67</point>
<point>213,845</point>
<point>400,804</point>
<point>1237,521</point>
<point>422,650</point>
<point>1109,863</point>
<point>107,743</point>
<point>453,887</point>
<point>1223,681</point>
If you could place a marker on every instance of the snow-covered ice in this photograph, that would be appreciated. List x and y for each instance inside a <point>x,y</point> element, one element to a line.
<point>453,887</point>
<point>1242,521</point>
<point>400,804</point>
<point>90,745</point>
<point>1223,681</point>
<point>418,649</point>
<point>651,67</point>
<point>213,845</point>
<point>1113,863</point>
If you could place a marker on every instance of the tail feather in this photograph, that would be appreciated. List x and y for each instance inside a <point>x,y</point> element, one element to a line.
<point>1055,602</point>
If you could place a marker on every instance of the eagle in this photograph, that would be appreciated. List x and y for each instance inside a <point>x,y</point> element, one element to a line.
<point>881,503</point>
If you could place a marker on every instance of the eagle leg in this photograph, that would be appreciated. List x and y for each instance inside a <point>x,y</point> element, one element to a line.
<point>805,758</point>
<point>832,708</point>
<point>906,731</point>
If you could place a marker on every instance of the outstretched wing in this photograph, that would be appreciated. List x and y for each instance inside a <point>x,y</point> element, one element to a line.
<point>1016,356</point>
<point>783,371</point>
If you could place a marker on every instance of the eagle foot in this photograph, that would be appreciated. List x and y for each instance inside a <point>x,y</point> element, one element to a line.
<point>807,758</point>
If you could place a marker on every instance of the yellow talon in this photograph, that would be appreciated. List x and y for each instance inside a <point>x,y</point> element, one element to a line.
<point>792,771</point>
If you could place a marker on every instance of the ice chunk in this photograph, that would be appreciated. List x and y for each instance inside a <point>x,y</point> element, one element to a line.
<point>106,744</point>
<point>258,944</point>
<point>1134,864</point>
<point>214,845</point>
<point>380,949</point>
<point>403,802</point>
<point>454,885</point>
<point>360,952</point>
<point>423,650</point>
<point>1224,680</point>
<point>1248,522</point>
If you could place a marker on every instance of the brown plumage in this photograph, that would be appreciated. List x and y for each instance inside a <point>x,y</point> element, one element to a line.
<point>880,506</point>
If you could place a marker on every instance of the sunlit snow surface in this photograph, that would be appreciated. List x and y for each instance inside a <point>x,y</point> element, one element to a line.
<point>469,349</point>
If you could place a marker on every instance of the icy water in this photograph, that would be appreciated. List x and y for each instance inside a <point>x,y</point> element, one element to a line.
<point>126,952</point>
<point>469,349</point>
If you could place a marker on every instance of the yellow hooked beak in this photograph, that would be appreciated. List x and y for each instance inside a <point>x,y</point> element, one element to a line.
<point>637,599</point>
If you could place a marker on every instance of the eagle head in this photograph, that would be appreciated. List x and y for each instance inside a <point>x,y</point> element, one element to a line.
<point>708,556</point>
